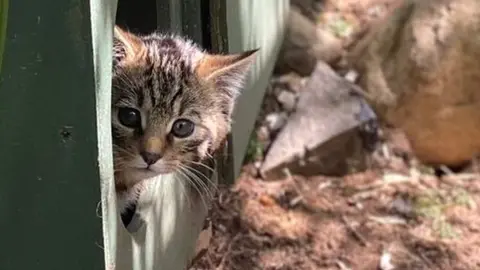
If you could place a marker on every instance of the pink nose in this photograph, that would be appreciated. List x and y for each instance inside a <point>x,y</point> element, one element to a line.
<point>150,158</point>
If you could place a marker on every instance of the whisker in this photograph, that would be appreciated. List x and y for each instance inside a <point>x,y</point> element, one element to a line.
<point>194,186</point>
<point>184,193</point>
<point>199,180</point>
<point>203,165</point>
<point>209,181</point>
<point>124,151</point>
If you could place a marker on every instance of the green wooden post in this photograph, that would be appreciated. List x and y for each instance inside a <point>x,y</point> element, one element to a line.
<point>3,27</point>
<point>49,188</point>
<point>253,24</point>
<point>216,36</point>
<point>102,22</point>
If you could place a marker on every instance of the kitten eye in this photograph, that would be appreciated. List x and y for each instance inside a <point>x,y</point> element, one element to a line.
<point>129,117</point>
<point>182,128</point>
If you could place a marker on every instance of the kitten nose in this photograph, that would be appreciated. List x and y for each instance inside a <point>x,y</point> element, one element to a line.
<point>150,158</point>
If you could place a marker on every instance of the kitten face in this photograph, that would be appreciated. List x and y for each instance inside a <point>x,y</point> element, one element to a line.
<point>171,103</point>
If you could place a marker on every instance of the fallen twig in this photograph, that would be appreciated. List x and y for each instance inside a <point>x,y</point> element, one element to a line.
<point>422,258</point>
<point>342,265</point>
<point>446,170</point>
<point>386,261</point>
<point>387,179</point>
<point>299,198</point>
<point>324,185</point>
<point>355,233</point>
<point>222,263</point>
<point>363,195</point>
<point>388,220</point>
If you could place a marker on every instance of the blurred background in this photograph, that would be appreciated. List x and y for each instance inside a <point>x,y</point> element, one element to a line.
<point>355,142</point>
<point>363,153</point>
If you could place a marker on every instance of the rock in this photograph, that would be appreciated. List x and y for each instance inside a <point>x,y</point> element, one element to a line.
<point>309,8</point>
<point>402,205</point>
<point>275,121</point>
<point>291,81</point>
<point>287,99</point>
<point>375,11</point>
<point>421,71</point>
<point>398,142</point>
<point>304,44</point>
<point>328,47</point>
<point>351,76</point>
<point>322,135</point>
<point>263,133</point>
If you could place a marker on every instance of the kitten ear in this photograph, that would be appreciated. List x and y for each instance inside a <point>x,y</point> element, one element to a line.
<point>125,45</point>
<point>227,72</point>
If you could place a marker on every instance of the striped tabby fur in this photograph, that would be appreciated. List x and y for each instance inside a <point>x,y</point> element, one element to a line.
<point>157,80</point>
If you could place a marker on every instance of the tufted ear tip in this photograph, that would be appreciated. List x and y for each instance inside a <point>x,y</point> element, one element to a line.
<point>125,44</point>
<point>217,66</point>
<point>251,52</point>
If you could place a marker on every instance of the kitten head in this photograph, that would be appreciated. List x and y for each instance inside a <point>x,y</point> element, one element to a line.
<point>171,102</point>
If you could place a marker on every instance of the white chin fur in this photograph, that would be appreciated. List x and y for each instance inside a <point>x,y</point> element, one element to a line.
<point>138,176</point>
<point>172,221</point>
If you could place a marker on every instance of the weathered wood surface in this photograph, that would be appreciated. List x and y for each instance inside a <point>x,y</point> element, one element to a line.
<point>49,188</point>
<point>253,24</point>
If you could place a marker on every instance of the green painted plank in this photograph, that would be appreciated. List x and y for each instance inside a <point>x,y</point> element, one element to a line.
<point>3,27</point>
<point>192,20</point>
<point>217,34</point>
<point>49,191</point>
<point>253,24</point>
<point>102,14</point>
<point>169,16</point>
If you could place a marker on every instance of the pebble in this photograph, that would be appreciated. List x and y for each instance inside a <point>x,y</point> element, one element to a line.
<point>287,99</point>
<point>275,121</point>
<point>351,76</point>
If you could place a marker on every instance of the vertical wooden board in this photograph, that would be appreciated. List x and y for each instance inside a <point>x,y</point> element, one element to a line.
<point>102,18</point>
<point>137,16</point>
<point>169,16</point>
<point>192,20</point>
<point>3,27</point>
<point>216,26</point>
<point>49,188</point>
<point>253,24</point>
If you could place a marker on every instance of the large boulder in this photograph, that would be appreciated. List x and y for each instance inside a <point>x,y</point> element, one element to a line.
<point>324,134</point>
<point>305,44</point>
<point>309,8</point>
<point>421,70</point>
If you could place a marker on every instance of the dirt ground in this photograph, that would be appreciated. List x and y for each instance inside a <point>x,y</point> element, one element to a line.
<point>390,217</point>
<point>398,214</point>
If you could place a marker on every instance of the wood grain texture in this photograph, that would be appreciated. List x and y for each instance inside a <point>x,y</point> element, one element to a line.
<point>253,24</point>
<point>49,188</point>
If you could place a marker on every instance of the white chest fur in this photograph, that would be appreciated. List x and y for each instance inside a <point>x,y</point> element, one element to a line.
<point>173,220</point>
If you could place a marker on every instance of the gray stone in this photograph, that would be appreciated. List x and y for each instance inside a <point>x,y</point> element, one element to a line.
<point>287,99</point>
<point>291,81</point>
<point>322,136</point>
<point>309,8</point>
<point>304,45</point>
<point>351,76</point>
<point>275,121</point>
<point>421,74</point>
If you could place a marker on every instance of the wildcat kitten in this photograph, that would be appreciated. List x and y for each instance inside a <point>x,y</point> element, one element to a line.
<point>171,107</point>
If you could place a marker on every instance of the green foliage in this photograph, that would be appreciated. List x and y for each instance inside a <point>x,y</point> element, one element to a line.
<point>341,27</point>
<point>462,197</point>
<point>3,28</point>
<point>254,150</point>
<point>424,169</point>
<point>433,204</point>
<point>429,205</point>
<point>444,229</point>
